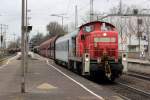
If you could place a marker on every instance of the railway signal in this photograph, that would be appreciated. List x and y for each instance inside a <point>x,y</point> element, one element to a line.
<point>29,28</point>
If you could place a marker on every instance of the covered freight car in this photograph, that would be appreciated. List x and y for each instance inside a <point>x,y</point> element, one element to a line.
<point>44,48</point>
<point>47,48</point>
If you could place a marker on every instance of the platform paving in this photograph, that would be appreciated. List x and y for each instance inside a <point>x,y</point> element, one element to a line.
<point>44,82</point>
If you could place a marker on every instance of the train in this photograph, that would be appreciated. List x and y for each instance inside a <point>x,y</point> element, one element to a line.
<point>91,50</point>
<point>12,50</point>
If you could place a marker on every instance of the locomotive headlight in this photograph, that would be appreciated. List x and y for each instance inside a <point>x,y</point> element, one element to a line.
<point>86,59</point>
<point>124,59</point>
<point>99,60</point>
<point>104,34</point>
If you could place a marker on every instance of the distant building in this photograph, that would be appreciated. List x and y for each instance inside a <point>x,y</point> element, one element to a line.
<point>131,44</point>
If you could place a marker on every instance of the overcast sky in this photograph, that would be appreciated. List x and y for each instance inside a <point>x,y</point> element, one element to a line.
<point>10,11</point>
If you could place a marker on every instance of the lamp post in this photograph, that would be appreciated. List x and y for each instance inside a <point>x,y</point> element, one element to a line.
<point>23,47</point>
<point>62,18</point>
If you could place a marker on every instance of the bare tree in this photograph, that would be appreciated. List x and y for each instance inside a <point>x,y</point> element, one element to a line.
<point>125,25</point>
<point>36,39</point>
<point>15,44</point>
<point>55,29</point>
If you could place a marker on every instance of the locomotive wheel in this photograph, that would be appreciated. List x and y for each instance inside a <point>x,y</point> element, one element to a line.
<point>69,65</point>
<point>79,68</point>
<point>56,61</point>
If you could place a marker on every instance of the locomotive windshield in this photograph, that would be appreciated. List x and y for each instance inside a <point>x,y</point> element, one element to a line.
<point>105,39</point>
<point>88,28</point>
<point>106,27</point>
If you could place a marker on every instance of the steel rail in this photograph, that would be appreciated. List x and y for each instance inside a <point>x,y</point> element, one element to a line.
<point>1,60</point>
<point>135,89</point>
<point>139,76</point>
<point>6,57</point>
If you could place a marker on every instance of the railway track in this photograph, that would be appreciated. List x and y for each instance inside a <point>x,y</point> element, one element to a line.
<point>141,76</point>
<point>133,87</point>
<point>127,92</point>
<point>139,91</point>
<point>2,60</point>
<point>5,58</point>
<point>130,88</point>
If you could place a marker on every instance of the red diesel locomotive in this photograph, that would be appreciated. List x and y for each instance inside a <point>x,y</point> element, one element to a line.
<point>91,50</point>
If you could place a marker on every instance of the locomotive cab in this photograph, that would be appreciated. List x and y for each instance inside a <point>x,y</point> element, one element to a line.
<point>100,41</point>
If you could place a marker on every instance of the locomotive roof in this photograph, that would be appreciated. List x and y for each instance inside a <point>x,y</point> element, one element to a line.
<point>96,22</point>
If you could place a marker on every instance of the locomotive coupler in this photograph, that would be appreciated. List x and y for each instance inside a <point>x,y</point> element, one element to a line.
<point>107,69</point>
<point>106,65</point>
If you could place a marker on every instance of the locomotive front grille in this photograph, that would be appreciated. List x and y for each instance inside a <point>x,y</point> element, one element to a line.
<point>111,52</point>
<point>100,52</point>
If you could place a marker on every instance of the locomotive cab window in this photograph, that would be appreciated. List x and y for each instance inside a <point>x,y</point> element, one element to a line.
<point>89,28</point>
<point>106,27</point>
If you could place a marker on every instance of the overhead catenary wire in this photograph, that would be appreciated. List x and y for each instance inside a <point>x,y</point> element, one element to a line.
<point>68,5</point>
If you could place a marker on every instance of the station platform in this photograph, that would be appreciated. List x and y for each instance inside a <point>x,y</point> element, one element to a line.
<point>138,65</point>
<point>141,61</point>
<point>47,81</point>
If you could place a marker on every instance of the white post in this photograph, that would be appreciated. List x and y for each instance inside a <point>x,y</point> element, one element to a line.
<point>26,35</point>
